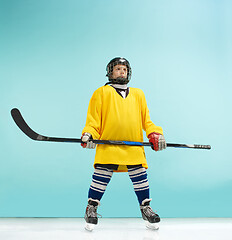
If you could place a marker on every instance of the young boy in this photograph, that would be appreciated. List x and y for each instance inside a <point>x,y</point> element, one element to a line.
<point>117,112</point>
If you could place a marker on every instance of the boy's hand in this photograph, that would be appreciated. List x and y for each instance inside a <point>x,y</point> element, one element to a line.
<point>157,140</point>
<point>86,139</point>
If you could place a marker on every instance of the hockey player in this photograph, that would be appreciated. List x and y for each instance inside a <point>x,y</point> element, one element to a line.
<point>117,112</point>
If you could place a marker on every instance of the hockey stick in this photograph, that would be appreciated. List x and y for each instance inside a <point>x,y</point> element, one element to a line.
<point>20,122</point>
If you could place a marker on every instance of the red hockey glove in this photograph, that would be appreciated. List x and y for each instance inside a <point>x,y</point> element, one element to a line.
<point>86,139</point>
<point>157,140</point>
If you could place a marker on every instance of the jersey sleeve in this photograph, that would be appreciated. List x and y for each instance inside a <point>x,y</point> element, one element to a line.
<point>148,125</point>
<point>93,120</point>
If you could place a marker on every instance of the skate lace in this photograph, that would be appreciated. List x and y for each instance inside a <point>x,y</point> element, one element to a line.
<point>148,211</point>
<point>92,211</point>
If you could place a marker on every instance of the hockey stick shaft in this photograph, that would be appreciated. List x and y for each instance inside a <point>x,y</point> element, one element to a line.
<point>20,122</point>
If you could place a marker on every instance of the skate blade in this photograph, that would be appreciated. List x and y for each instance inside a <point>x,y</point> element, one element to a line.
<point>89,227</point>
<point>153,226</point>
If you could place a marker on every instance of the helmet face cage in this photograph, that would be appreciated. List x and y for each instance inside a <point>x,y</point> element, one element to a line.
<point>118,61</point>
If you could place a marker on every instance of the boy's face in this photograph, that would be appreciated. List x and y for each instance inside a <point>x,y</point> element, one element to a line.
<point>119,71</point>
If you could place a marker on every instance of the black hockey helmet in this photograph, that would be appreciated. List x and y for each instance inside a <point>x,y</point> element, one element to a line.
<point>109,70</point>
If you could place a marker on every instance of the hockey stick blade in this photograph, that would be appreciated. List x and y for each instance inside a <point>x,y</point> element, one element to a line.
<point>20,122</point>
<point>16,115</point>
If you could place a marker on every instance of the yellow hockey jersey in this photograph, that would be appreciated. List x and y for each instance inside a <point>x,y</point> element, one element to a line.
<point>111,117</point>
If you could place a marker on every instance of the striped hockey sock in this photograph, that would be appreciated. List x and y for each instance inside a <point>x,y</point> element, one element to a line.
<point>101,177</point>
<point>138,176</point>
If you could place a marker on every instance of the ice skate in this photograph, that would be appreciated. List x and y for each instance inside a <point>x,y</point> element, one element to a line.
<point>152,219</point>
<point>91,214</point>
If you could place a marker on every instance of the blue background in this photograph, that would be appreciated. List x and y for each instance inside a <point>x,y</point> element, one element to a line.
<point>53,56</point>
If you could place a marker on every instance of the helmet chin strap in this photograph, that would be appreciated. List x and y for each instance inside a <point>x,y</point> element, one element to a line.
<point>118,80</point>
